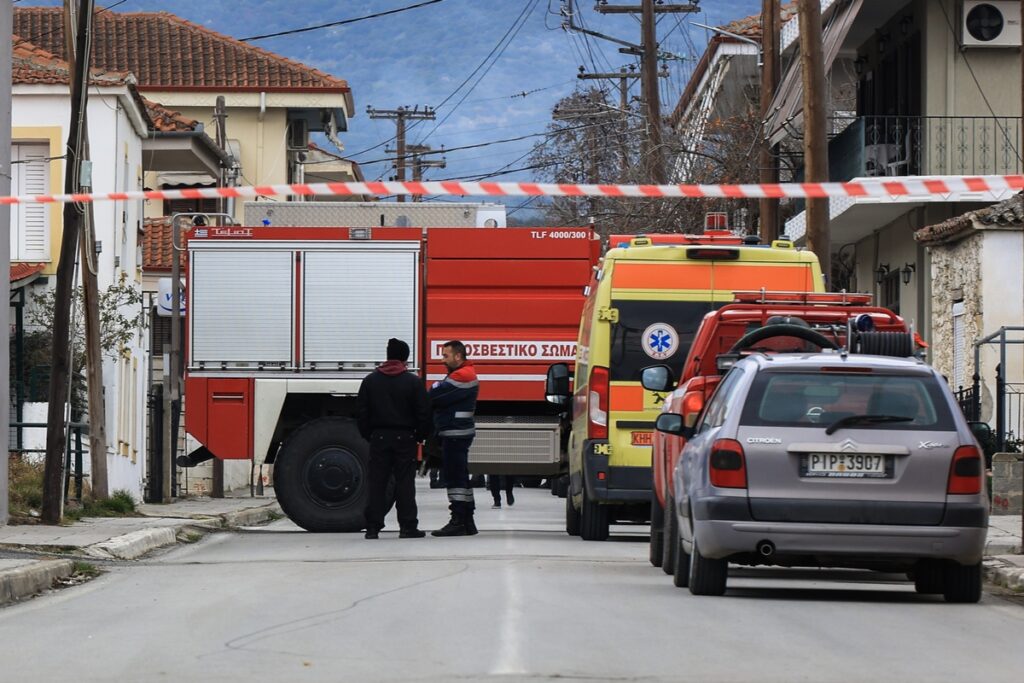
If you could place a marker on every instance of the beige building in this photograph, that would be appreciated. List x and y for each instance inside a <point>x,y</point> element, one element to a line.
<point>272,103</point>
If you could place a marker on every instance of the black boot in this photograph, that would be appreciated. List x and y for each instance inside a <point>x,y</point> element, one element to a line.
<point>455,527</point>
<point>470,526</point>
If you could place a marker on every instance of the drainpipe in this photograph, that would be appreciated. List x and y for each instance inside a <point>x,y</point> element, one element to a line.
<point>259,137</point>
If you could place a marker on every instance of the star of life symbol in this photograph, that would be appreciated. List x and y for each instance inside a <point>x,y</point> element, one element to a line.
<point>660,341</point>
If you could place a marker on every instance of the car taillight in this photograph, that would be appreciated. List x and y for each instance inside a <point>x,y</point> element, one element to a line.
<point>965,472</point>
<point>728,465</point>
<point>597,404</point>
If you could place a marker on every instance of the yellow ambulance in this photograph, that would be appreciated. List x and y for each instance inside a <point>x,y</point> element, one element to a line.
<point>644,304</point>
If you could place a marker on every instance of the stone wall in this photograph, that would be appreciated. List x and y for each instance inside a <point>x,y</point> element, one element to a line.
<point>1006,483</point>
<point>956,272</point>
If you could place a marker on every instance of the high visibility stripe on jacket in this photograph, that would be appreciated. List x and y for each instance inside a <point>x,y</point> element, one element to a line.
<point>454,401</point>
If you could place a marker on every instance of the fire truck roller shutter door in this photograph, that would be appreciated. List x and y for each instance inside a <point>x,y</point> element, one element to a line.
<point>321,476</point>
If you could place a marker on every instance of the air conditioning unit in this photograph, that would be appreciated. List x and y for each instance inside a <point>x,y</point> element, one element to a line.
<point>298,135</point>
<point>990,23</point>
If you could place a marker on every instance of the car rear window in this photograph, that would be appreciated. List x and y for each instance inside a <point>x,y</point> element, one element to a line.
<point>653,332</point>
<point>820,398</point>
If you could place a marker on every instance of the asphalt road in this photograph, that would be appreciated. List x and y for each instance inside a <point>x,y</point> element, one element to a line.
<point>521,601</point>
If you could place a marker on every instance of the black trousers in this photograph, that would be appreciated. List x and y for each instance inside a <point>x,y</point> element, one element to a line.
<point>497,482</point>
<point>392,453</point>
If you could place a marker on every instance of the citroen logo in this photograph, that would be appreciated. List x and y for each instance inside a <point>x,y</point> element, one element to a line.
<point>848,445</point>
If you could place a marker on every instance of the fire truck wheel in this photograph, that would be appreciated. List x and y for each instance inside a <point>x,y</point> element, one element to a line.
<point>321,476</point>
<point>657,530</point>
<point>593,520</point>
<point>572,517</point>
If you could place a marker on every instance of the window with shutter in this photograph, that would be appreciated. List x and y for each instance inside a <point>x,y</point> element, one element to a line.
<point>30,223</point>
<point>959,342</point>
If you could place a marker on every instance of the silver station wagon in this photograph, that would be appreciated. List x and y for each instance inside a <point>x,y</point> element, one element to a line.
<point>831,460</point>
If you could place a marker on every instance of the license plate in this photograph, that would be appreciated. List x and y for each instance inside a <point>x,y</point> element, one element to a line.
<point>641,438</point>
<point>846,466</point>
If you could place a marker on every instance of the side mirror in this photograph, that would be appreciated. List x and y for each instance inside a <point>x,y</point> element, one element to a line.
<point>556,386</point>
<point>657,378</point>
<point>674,424</point>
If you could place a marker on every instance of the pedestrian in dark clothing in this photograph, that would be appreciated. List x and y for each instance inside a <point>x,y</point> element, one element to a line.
<point>495,482</point>
<point>454,402</point>
<point>393,415</point>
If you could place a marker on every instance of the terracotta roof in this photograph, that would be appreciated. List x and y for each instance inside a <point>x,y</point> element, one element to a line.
<point>1006,214</point>
<point>750,27</point>
<point>165,120</point>
<point>24,271</point>
<point>157,251</point>
<point>32,65</point>
<point>166,52</point>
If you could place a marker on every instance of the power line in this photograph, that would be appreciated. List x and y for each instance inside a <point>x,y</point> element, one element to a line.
<point>457,88</point>
<point>507,39</point>
<point>342,22</point>
<point>61,26</point>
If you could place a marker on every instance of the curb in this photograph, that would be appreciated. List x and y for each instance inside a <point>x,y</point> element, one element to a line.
<point>22,582</point>
<point>1004,574</point>
<point>134,545</point>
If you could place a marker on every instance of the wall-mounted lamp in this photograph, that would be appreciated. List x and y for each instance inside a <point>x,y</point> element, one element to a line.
<point>905,23</point>
<point>858,65</point>
<point>907,272</point>
<point>881,272</point>
<point>883,42</point>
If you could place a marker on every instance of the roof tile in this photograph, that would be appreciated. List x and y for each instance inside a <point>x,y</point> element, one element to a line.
<point>157,249</point>
<point>168,52</point>
<point>1005,214</point>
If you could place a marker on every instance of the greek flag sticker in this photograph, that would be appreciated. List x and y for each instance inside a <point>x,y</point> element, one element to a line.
<point>660,341</point>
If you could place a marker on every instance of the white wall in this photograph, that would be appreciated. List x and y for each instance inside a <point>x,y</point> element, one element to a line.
<point>1003,293</point>
<point>116,153</point>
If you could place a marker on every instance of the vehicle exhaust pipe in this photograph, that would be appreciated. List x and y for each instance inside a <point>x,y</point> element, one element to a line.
<point>765,548</point>
<point>199,455</point>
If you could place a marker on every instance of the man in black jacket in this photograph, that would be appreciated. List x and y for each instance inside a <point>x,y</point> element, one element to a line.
<point>393,415</point>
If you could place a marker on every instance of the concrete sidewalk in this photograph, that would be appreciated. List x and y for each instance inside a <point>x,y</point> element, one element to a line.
<point>118,538</point>
<point>1004,563</point>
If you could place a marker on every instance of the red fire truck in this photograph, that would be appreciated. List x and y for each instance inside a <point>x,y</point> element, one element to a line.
<point>284,322</point>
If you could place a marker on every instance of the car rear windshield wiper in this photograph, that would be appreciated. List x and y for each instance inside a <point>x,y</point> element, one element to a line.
<point>864,419</point>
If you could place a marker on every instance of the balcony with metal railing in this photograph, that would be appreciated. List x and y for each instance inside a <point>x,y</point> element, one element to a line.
<point>892,146</point>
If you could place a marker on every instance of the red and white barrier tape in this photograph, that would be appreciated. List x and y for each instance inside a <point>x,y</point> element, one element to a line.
<point>870,188</point>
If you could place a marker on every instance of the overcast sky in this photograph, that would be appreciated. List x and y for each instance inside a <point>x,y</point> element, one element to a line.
<point>427,56</point>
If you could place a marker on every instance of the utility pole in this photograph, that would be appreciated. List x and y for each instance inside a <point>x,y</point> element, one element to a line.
<point>400,116</point>
<point>98,480</point>
<point>220,115</point>
<point>815,138</point>
<point>6,27</point>
<point>419,163</point>
<point>56,439</point>
<point>624,78</point>
<point>654,155</point>
<point>770,76</point>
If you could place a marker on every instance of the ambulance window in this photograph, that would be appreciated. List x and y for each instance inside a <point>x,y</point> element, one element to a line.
<point>652,332</point>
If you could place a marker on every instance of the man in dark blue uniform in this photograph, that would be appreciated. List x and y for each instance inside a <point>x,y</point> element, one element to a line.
<point>454,401</point>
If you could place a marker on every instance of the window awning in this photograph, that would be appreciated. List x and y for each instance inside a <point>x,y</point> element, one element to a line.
<point>787,107</point>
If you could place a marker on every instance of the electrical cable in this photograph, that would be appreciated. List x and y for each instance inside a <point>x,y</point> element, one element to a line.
<point>528,9</point>
<point>342,22</point>
<point>36,37</point>
<point>454,91</point>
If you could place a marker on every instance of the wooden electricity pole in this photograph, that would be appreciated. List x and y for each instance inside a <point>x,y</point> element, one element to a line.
<point>6,27</point>
<point>98,481</point>
<point>60,354</point>
<point>770,75</point>
<point>815,138</point>
<point>654,153</point>
<point>419,163</point>
<point>400,116</point>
